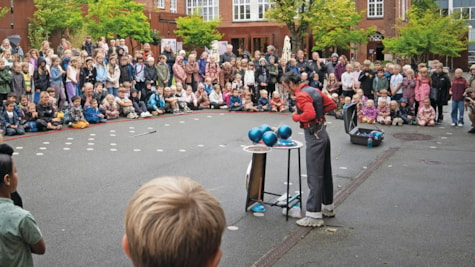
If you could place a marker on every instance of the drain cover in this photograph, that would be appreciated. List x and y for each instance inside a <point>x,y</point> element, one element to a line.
<point>412,136</point>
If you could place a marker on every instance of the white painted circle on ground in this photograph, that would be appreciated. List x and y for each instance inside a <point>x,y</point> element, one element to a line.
<point>182,121</point>
<point>221,114</point>
<point>301,133</point>
<point>42,148</point>
<point>364,167</point>
<point>66,148</point>
<point>210,116</point>
<point>93,134</point>
<point>90,144</point>
<point>448,133</point>
<point>112,131</point>
<point>166,125</point>
<point>112,135</point>
<point>113,149</point>
<point>222,145</point>
<point>329,122</point>
<point>19,147</point>
<point>200,145</point>
<point>70,138</point>
<point>159,150</point>
<point>45,143</point>
<point>443,137</point>
<point>90,149</point>
<point>233,228</point>
<point>113,144</point>
<point>15,153</point>
<point>390,166</point>
<point>343,168</point>
<point>150,128</point>
<point>131,127</point>
<point>131,131</point>
<point>91,139</point>
<point>196,119</point>
<point>433,147</point>
<point>258,214</point>
<point>39,154</point>
<point>182,150</point>
<point>137,150</point>
<point>68,143</point>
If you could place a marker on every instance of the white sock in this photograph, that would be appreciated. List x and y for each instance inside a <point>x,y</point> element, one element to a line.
<point>314,215</point>
<point>328,207</point>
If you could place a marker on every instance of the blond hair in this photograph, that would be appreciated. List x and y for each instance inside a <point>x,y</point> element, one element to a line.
<point>173,221</point>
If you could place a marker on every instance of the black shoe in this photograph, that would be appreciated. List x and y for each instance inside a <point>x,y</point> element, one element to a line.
<point>472,130</point>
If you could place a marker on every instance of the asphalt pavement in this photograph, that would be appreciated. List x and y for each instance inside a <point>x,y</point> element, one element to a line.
<point>403,203</point>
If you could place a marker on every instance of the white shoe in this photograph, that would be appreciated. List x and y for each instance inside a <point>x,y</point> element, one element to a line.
<point>143,115</point>
<point>453,124</point>
<point>460,124</point>
<point>148,114</point>
<point>310,222</point>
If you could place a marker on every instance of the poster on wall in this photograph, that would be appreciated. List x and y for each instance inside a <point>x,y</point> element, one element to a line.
<point>179,46</point>
<point>171,42</point>
<point>222,47</point>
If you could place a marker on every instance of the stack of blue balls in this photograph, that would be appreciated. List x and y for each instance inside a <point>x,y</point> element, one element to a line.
<point>269,136</point>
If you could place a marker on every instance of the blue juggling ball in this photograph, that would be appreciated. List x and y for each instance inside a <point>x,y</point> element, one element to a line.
<point>269,138</point>
<point>264,128</point>
<point>284,131</point>
<point>255,134</point>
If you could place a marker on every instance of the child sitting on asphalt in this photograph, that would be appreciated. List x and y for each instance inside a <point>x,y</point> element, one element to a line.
<point>263,103</point>
<point>156,102</point>
<point>395,113</point>
<point>407,115</point>
<point>276,102</point>
<point>126,106</point>
<point>426,114</point>
<point>196,217</point>
<point>111,107</point>
<point>369,112</point>
<point>384,114</point>
<point>93,114</point>
<point>76,117</point>
<point>235,102</point>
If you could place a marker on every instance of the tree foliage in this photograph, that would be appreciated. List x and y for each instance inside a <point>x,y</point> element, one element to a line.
<point>427,33</point>
<point>197,33</point>
<point>3,11</point>
<point>118,18</point>
<point>51,16</point>
<point>333,22</point>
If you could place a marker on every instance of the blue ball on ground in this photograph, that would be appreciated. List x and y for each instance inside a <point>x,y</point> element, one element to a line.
<point>284,131</point>
<point>269,138</point>
<point>264,128</point>
<point>255,134</point>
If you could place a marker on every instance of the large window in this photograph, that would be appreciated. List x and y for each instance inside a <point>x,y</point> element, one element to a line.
<point>208,9</point>
<point>161,3</point>
<point>247,10</point>
<point>375,8</point>
<point>173,8</point>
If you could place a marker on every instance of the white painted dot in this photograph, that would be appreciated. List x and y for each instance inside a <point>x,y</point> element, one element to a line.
<point>113,144</point>
<point>289,183</point>
<point>200,145</point>
<point>91,139</point>
<point>448,133</point>
<point>301,133</point>
<point>443,137</point>
<point>182,122</point>
<point>19,147</point>
<point>66,148</point>
<point>42,148</point>
<point>70,138</point>
<point>233,228</point>
<point>131,131</point>
<point>90,149</point>
<point>159,150</point>
<point>90,144</point>
<point>390,166</point>
<point>15,153</point>
<point>137,150</point>
<point>433,147</point>
<point>112,131</point>
<point>39,154</point>
<point>343,168</point>
<point>364,167</point>
<point>112,135</point>
<point>196,119</point>
<point>93,134</point>
<point>182,150</point>
<point>131,127</point>
<point>329,122</point>
<point>221,114</point>
<point>68,143</point>
<point>210,116</point>
<point>45,143</point>
<point>113,149</point>
<point>150,128</point>
<point>258,214</point>
<point>166,125</point>
<point>222,145</point>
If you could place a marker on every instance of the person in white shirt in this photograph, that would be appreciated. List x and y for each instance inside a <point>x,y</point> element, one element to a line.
<point>395,84</point>
<point>347,81</point>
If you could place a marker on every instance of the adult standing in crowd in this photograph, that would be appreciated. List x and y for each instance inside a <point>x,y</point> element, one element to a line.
<point>330,66</point>
<point>168,52</point>
<point>271,52</point>
<point>302,62</point>
<point>316,66</point>
<point>228,55</point>
<point>312,105</point>
<point>202,65</point>
<point>88,46</point>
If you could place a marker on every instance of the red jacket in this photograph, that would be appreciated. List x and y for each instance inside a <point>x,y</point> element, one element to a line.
<point>305,104</point>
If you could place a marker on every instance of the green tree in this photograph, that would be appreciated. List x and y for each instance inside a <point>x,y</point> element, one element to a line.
<point>427,33</point>
<point>52,16</point>
<point>118,18</point>
<point>3,11</point>
<point>197,33</point>
<point>335,24</point>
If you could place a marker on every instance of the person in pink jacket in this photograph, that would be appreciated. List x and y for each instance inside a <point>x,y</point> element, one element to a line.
<point>422,90</point>
<point>426,114</point>
<point>192,72</point>
<point>179,70</point>
<point>369,112</point>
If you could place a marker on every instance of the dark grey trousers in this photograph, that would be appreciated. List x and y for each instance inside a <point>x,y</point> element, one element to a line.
<point>319,170</point>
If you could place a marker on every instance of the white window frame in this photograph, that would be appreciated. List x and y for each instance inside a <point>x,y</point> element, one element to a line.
<point>209,9</point>
<point>161,4</point>
<point>375,9</point>
<point>173,6</point>
<point>254,8</point>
